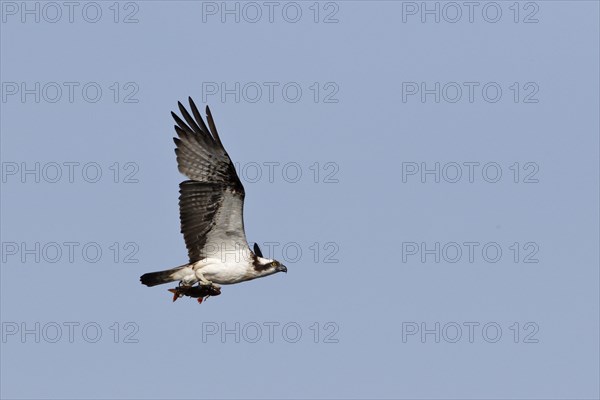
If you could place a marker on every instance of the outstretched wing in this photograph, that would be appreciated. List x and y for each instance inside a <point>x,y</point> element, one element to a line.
<point>211,203</point>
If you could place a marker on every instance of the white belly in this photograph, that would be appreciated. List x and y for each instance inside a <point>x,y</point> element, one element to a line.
<point>224,273</point>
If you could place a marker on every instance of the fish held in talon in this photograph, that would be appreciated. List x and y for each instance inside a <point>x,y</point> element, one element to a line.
<point>200,292</point>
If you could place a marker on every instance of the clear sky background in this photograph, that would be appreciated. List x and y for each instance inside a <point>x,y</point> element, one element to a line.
<point>370,144</point>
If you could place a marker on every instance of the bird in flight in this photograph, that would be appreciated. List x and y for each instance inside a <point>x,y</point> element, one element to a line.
<point>211,205</point>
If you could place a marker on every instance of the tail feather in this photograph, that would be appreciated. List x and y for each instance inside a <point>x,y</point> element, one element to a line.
<point>160,277</point>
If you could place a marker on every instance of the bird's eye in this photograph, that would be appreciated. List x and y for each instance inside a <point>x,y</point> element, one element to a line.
<point>274,263</point>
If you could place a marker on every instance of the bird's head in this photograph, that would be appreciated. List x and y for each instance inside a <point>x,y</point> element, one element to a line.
<point>266,266</point>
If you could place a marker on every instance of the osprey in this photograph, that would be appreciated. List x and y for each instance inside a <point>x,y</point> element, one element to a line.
<point>211,207</point>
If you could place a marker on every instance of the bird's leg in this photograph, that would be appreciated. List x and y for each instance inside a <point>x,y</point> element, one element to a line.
<point>203,280</point>
<point>188,282</point>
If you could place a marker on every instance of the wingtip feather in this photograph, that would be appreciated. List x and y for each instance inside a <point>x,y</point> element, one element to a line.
<point>213,127</point>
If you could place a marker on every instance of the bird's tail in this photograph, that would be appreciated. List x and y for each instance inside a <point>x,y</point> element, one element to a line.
<point>160,277</point>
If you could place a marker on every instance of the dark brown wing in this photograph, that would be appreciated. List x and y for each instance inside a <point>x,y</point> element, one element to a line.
<point>210,203</point>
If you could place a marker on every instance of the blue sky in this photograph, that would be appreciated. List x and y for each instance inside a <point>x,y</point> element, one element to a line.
<point>429,175</point>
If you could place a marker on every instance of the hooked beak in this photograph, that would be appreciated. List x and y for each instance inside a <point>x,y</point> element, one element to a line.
<point>282,268</point>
